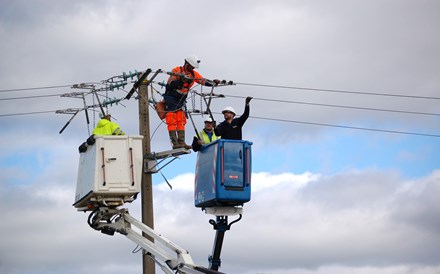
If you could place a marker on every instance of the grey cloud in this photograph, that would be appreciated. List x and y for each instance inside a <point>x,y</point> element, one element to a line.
<point>419,206</point>
<point>352,189</point>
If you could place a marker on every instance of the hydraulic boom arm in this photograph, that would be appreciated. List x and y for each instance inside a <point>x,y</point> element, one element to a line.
<point>170,257</point>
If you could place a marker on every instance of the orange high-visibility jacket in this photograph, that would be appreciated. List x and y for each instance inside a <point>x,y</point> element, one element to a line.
<point>187,83</point>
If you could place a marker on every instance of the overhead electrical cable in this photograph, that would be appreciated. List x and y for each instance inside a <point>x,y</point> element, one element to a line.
<point>34,88</point>
<point>348,127</point>
<point>274,100</point>
<point>27,113</point>
<point>263,99</point>
<point>340,91</point>
<point>285,121</point>
<point>338,106</point>
<point>31,97</point>
<point>50,87</point>
<point>269,86</point>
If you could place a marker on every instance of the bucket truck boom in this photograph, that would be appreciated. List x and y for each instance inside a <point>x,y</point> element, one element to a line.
<point>170,257</point>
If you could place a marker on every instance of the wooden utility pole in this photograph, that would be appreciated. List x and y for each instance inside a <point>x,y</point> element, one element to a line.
<point>147,182</point>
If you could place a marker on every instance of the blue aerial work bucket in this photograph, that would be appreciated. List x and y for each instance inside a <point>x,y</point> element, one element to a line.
<point>223,174</point>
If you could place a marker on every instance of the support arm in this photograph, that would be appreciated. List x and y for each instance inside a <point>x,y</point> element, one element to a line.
<point>170,257</point>
<point>221,226</point>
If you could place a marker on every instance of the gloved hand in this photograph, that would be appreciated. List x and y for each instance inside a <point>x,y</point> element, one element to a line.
<point>248,99</point>
<point>216,82</point>
<point>83,147</point>
<point>91,140</point>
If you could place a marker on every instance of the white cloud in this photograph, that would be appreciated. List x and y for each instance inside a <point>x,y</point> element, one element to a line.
<point>263,181</point>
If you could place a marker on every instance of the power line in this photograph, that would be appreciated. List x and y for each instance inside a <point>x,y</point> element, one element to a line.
<point>270,86</point>
<point>340,91</point>
<point>30,97</point>
<point>34,88</point>
<point>274,100</point>
<point>265,99</point>
<point>348,127</point>
<point>282,120</point>
<point>342,126</point>
<point>27,113</point>
<point>338,106</point>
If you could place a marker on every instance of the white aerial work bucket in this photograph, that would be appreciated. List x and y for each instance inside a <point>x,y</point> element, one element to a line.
<point>109,172</point>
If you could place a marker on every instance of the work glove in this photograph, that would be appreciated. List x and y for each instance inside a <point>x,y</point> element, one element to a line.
<point>83,147</point>
<point>91,140</point>
<point>248,99</point>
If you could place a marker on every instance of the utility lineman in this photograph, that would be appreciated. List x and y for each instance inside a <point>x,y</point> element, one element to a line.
<point>231,127</point>
<point>178,85</point>
<point>205,136</point>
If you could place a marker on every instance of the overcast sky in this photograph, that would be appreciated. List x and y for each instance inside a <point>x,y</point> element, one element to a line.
<point>346,174</point>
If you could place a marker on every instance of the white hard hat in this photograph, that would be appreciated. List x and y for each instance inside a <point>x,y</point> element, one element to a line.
<point>208,120</point>
<point>228,109</point>
<point>193,61</point>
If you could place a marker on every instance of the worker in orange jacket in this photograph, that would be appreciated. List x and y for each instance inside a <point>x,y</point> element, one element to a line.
<point>178,85</point>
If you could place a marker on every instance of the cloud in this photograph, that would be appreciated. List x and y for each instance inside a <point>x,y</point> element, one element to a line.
<point>417,204</point>
<point>366,221</point>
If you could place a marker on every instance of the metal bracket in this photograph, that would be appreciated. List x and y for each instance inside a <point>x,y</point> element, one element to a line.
<point>151,162</point>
